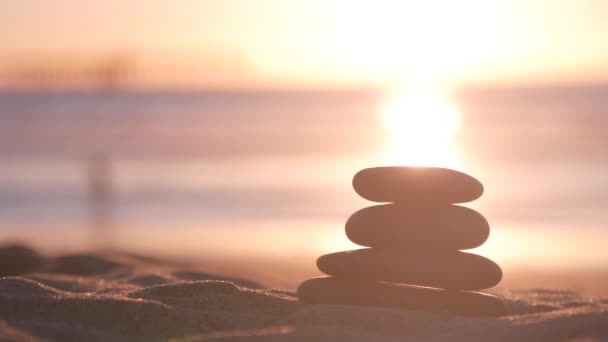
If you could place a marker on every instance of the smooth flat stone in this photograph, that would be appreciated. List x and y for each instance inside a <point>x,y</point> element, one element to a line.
<point>399,227</point>
<point>420,185</point>
<point>453,270</point>
<point>330,290</point>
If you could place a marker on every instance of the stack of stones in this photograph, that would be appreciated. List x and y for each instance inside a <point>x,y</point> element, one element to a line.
<point>415,260</point>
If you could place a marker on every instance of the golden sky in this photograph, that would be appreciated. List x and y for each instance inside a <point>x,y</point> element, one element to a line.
<point>344,41</point>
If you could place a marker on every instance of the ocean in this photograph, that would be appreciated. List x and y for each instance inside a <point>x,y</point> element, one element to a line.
<point>268,173</point>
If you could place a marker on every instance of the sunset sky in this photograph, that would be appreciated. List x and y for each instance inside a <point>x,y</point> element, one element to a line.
<point>319,41</point>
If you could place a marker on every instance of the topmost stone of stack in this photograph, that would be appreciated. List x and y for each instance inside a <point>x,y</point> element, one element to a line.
<point>416,185</point>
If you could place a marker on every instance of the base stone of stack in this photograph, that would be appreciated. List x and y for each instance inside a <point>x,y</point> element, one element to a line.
<point>330,290</point>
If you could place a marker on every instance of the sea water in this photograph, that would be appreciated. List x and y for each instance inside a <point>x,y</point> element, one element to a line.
<point>268,172</point>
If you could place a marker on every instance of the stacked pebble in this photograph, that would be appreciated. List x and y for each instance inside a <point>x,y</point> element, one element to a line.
<point>415,260</point>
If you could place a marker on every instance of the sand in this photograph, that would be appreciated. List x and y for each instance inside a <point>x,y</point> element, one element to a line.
<point>122,297</point>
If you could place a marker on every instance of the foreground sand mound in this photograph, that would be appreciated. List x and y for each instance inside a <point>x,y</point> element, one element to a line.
<point>128,298</point>
<point>17,259</point>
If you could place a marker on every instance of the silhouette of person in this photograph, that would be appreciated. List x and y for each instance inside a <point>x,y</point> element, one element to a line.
<point>100,198</point>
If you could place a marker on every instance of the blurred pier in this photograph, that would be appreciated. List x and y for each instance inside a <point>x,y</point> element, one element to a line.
<point>111,72</point>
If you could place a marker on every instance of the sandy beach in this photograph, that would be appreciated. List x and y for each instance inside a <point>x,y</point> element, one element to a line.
<point>124,297</point>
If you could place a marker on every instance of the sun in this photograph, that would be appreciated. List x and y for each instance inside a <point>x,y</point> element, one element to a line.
<point>398,40</point>
<point>420,125</point>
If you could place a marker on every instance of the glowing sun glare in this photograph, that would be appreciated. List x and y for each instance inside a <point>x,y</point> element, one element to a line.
<point>420,125</point>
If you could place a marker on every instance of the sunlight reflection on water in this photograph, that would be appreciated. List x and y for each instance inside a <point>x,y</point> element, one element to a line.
<point>420,124</point>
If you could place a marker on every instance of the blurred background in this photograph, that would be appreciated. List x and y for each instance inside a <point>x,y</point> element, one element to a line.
<point>228,131</point>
